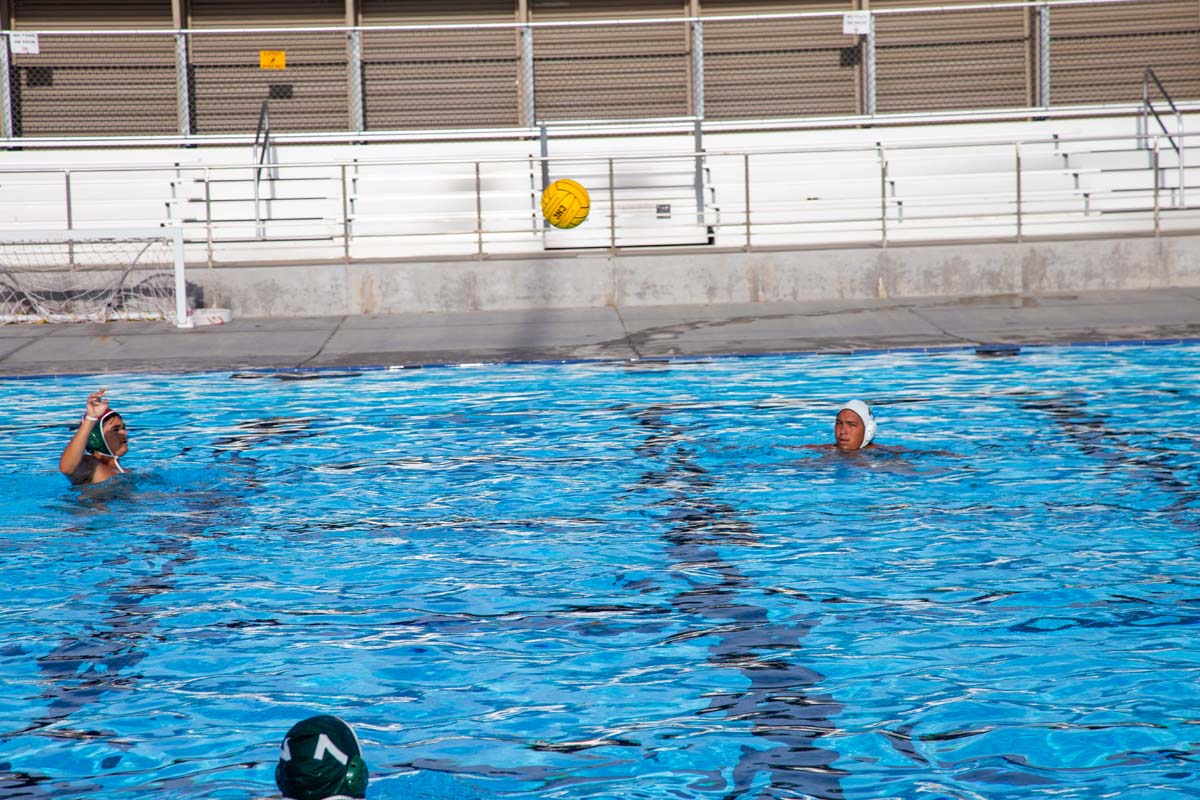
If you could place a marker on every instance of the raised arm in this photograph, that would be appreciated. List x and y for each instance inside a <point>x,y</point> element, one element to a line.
<point>72,454</point>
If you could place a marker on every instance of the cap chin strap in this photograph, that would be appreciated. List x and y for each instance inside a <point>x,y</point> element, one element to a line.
<point>109,456</point>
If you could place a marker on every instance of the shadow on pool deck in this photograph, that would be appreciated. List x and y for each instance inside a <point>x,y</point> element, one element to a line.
<point>602,333</point>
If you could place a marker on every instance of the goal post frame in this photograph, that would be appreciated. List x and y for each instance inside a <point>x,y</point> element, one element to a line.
<point>68,236</point>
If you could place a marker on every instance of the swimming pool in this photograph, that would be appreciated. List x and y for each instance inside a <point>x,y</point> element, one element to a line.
<point>617,580</point>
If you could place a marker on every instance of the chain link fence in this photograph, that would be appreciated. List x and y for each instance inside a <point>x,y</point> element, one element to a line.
<point>499,75</point>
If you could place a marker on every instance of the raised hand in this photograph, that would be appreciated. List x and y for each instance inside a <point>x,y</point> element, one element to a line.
<point>96,403</point>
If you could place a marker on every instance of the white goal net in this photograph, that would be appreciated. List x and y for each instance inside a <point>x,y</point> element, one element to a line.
<point>77,275</point>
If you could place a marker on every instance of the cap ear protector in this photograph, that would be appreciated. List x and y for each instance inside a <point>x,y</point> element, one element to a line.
<point>355,782</point>
<point>96,441</point>
<point>868,419</point>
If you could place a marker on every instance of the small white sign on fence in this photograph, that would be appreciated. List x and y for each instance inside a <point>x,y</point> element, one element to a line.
<point>856,22</point>
<point>23,44</point>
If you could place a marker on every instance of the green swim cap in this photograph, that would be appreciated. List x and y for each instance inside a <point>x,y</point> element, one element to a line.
<point>319,759</point>
<point>96,441</point>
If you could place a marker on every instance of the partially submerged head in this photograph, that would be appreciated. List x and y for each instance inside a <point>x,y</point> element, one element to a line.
<point>319,759</point>
<point>108,437</point>
<point>854,427</point>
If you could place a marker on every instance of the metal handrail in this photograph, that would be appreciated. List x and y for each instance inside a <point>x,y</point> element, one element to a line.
<point>1148,106</point>
<point>1144,122</point>
<point>263,132</point>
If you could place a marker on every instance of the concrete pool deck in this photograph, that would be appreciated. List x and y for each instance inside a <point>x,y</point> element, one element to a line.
<point>641,332</point>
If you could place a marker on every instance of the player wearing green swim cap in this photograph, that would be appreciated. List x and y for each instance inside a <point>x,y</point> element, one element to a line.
<point>92,455</point>
<point>320,759</point>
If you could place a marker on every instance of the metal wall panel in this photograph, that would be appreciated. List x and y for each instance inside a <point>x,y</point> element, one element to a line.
<point>229,86</point>
<point>782,67</point>
<point>1099,53</point>
<point>566,10</point>
<point>47,15</point>
<point>99,85</point>
<point>265,13</point>
<point>440,79</point>
<point>951,60</point>
<point>423,12</point>
<point>612,71</point>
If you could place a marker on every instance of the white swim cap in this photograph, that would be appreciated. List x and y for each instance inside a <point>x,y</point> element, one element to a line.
<point>868,419</point>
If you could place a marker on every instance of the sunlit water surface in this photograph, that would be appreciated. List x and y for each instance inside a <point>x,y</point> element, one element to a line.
<point>616,581</point>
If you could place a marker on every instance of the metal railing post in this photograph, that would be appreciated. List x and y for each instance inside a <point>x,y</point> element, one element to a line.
<point>1157,207</point>
<point>6,109</point>
<point>529,116</point>
<point>697,69</point>
<point>883,179</point>
<point>1182,174</point>
<point>67,196</point>
<point>345,215</point>
<point>612,206</point>
<point>1143,120</point>
<point>698,143</point>
<point>869,60</point>
<point>70,215</point>
<point>1020,220</point>
<point>545,157</point>
<point>358,120</point>
<point>208,227</point>
<point>746,181</point>
<point>182,94</point>
<point>698,112</point>
<point>1044,55</point>
<point>479,209</point>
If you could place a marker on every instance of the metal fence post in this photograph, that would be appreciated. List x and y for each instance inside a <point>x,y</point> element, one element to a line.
<point>182,94</point>
<point>869,60</point>
<point>6,109</point>
<point>698,113</point>
<point>1044,55</point>
<point>697,69</point>
<point>698,143</point>
<point>527,76</point>
<point>355,88</point>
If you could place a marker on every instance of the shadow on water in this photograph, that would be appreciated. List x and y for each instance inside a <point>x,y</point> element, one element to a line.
<point>779,703</point>
<point>1091,432</point>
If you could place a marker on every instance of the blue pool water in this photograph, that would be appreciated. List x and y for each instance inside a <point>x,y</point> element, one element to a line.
<point>616,581</point>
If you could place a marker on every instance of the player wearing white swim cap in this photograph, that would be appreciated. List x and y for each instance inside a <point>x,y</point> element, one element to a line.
<point>854,427</point>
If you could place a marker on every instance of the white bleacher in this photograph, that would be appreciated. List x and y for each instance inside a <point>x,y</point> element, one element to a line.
<point>807,187</point>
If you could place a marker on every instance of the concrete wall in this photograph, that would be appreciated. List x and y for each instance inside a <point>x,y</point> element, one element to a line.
<point>598,280</point>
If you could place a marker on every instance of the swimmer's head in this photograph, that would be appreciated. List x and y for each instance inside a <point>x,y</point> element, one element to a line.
<point>320,759</point>
<point>854,427</point>
<point>108,436</point>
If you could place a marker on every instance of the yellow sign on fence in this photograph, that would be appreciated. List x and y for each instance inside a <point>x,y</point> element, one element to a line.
<point>272,59</point>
